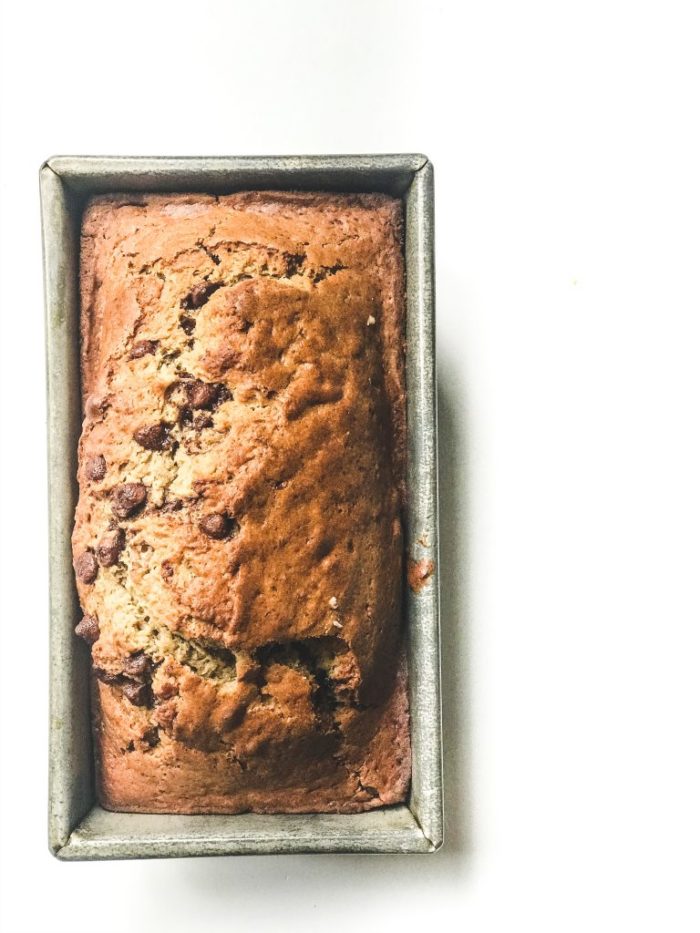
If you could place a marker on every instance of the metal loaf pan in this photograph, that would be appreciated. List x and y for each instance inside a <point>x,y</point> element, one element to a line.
<point>78,827</point>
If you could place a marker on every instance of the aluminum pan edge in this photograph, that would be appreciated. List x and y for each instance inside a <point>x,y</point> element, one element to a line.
<point>424,606</point>
<point>390,173</point>
<point>418,827</point>
<point>70,754</point>
<point>105,835</point>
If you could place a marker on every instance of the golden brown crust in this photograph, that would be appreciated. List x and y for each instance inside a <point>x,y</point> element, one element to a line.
<point>238,543</point>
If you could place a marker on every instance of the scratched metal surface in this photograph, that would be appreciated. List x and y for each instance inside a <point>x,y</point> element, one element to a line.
<point>78,828</point>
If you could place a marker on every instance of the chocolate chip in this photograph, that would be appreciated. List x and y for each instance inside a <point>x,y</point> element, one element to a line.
<point>199,295</point>
<point>137,665</point>
<point>166,569</point>
<point>151,736</point>
<point>128,499</point>
<point>96,468</point>
<point>110,547</point>
<point>202,394</point>
<point>172,505</point>
<point>187,323</point>
<point>152,436</point>
<point>216,525</point>
<point>86,567</point>
<point>202,420</point>
<point>89,629</point>
<point>106,677</point>
<point>294,262</point>
<point>143,348</point>
<point>196,420</point>
<point>138,694</point>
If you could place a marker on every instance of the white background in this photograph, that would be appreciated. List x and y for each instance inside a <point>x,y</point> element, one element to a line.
<point>566,143</point>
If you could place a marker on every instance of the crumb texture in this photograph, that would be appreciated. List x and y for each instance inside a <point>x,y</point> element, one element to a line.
<point>238,540</point>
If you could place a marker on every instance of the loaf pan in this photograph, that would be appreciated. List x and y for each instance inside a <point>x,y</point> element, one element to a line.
<point>79,828</point>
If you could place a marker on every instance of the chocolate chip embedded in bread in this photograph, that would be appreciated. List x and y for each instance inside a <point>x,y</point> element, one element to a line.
<point>202,420</point>
<point>206,394</point>
<point>143,348</point>
<point>188,324</point>
<point>216,525</point>
<point>138,694</point>
<point>197,420</point>
<point>128,499</point>
<point>89,629</point>
<point>202,394</point>
<point>137,665</point>
<point>294,262</point>
<point>152,436</point>
<point>106,677</point>
<point>151,736</point>
<point>110,547</point>
<point>86,567</point>
<point>199,295</point>
<point>96,468</point>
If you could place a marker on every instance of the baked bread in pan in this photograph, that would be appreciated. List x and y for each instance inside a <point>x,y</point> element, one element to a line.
<point>238,539</point>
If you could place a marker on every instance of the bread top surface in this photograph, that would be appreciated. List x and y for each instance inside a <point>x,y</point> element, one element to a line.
<point>238,532</point>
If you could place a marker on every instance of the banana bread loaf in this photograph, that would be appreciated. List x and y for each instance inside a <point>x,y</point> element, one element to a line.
<point>238,543</point>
